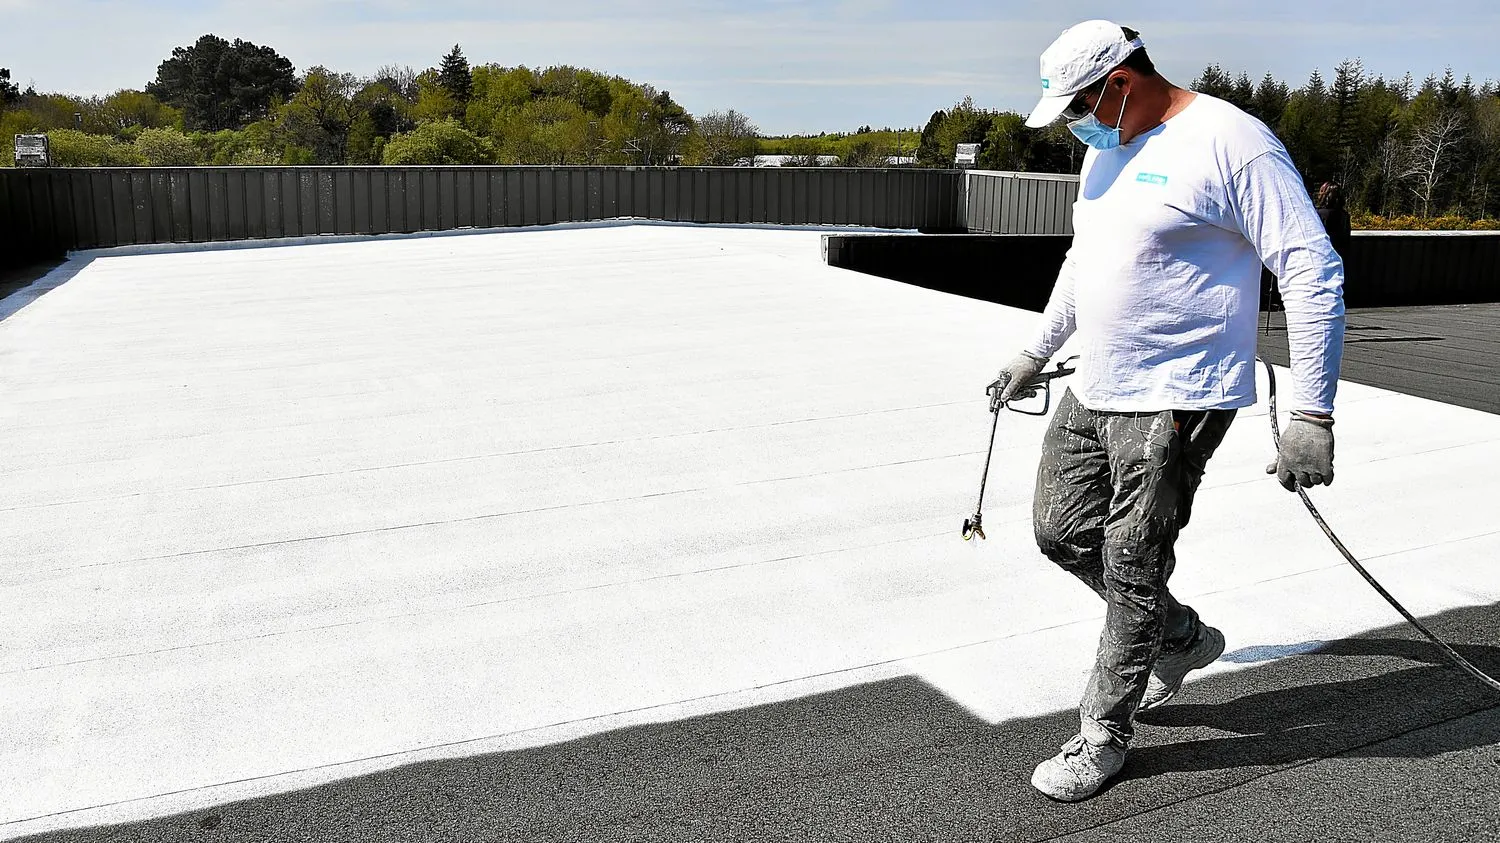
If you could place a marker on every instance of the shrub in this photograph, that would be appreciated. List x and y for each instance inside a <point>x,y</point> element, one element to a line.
<point>437,142</point>
<point>1409,222</point>
<point>72,148</point>
<point>166,148</point>
<point>254,156</point>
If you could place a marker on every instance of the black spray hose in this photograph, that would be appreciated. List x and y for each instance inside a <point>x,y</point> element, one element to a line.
<point>1452,655</point>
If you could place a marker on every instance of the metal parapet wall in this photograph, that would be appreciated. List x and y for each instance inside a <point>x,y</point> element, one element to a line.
<point>1389,269</point>
<point>44,213</point>
<point>47,212</point>
<point>1015,270</point>
<point>1381,269</point>
<point>1019,203</point>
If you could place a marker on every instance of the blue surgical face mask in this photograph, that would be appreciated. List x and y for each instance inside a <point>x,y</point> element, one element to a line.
<point>1092,131</point>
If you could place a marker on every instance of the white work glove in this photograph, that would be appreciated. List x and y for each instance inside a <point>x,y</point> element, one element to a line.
<point>1306,455</point>
<point>1016,374</point>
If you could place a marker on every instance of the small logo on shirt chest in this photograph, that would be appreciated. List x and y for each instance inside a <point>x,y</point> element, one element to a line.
<point>1151,178</point>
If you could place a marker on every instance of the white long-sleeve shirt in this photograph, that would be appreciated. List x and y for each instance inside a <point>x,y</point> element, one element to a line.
<point>1162,283</point>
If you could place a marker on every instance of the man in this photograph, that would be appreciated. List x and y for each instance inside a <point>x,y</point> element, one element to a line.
<point>1182,198</point>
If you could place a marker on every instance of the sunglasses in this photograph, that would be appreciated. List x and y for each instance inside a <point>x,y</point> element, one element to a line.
<point>1078,109</point>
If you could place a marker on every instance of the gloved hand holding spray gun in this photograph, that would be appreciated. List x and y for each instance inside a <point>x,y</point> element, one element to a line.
<point>1022,378</point>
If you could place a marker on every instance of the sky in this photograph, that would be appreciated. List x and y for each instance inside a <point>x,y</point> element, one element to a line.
<point>792,67</point>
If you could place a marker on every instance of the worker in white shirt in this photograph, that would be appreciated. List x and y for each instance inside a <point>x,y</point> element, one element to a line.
<point>1182,198</point>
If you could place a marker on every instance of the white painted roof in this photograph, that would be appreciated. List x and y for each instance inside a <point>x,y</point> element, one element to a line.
<point>279,516</point>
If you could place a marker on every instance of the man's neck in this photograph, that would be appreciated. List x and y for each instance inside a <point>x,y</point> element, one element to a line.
<point>1178,99</point>
<point>1161,101</point>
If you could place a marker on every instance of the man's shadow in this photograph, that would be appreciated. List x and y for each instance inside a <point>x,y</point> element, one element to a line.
<point>1305,712</point>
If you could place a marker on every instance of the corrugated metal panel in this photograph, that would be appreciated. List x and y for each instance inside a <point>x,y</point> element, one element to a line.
<point>273,204</point>
<point>55,210</point>
<point>116,206</point>
<point>217,185</point>
<point>429,217</point>
<point>40,207</point>
<point>1019,203</point>
<point>447,200</point>
<point>10,223</point>
<point>342,196</point>
<point>19,227</point>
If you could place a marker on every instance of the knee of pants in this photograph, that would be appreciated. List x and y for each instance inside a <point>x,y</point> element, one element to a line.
<point>1142,534</point>
<point>1144,586</point>
<point>1063,545</point>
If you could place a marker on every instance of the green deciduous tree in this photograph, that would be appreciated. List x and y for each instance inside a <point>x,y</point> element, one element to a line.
<point>127,108</point>
<point>498,90</point>
<point>253,144</point>
<point>437,142</point>
<point>589,89</point>
<point>15,121</point>
<point>802,152</point>
<point>1012,146</point>
<point>380,111</point>
<point>963,123</point>
<point>72,148</point>
<point>551,130</point>
<point>434,101</point>
<point>167,148</point>
<point>864,153</point>
<point>318,118</point>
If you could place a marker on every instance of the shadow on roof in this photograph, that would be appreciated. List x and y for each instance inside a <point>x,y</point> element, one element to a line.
<point>21,287</point>
<point>898,760</point>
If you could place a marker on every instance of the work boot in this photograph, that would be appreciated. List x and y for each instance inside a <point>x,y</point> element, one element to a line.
<point>1171,668</point>
<point>1079,770</point>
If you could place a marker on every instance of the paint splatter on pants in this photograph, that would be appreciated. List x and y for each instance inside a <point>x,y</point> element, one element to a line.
<point>1112,492</point>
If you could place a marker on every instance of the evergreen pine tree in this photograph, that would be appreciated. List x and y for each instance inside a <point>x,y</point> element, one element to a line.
<point>1348,82</point>
<point>1407,89</point>
<point>1243,93</point>
<point>1348,79</point>
<point>9,91</point>
<point>1269,101</point>
<point>1214,82</point>
<point>1316,87</point>
<point>929,154</point>
<point>455,76</point>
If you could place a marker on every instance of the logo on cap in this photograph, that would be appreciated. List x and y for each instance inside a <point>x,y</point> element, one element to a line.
<point>1046,83</point>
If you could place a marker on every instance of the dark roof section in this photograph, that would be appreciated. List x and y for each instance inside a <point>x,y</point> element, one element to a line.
<point>1449,353</point>
<point>1369,738</point>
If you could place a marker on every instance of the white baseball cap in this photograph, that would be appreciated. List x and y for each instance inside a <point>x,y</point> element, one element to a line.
<point>1081,56</point>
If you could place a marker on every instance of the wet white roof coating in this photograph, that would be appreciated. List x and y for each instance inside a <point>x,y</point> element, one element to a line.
<point>279,516</point>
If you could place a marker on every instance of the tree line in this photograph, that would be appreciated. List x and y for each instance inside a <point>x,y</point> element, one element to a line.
<point>221,102</point>
<point>1404,154</point>
<point>1398,149</point>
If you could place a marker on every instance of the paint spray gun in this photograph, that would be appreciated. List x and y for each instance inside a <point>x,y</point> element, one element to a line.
<point>1039,384</point>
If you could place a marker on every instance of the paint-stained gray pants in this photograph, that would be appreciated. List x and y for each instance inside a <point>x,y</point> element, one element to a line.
<point>1112,492</point>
